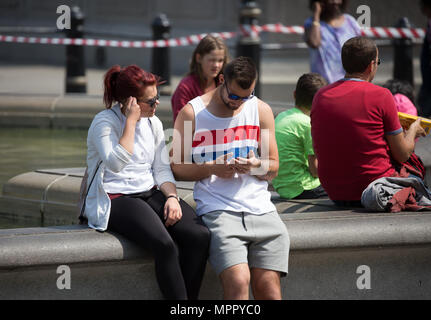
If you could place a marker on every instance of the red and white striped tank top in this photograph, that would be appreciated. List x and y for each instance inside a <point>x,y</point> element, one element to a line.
<point>214,137</point>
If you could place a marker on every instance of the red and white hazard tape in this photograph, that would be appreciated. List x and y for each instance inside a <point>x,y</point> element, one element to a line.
<point>253,31</point>
<point>246,30</point>
<point>183,41</point>
<point>375,32</point>
<point>394,33</point>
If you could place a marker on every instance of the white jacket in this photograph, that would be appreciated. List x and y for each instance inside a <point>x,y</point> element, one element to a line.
<point>103,147</point>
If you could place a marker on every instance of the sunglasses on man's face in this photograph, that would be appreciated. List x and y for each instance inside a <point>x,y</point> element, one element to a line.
<point>151,102</point>
<point>232,96</point>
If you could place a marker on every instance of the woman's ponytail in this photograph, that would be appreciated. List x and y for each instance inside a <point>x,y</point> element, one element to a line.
<point>121,83</point>
<point>110,83</point>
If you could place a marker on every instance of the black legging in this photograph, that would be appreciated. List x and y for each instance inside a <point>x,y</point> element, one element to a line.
<point>180,251</point>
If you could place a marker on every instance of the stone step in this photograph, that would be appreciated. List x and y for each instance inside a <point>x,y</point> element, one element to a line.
<point>331,253</point>
<point>51,195</point>
<point>72,111</point>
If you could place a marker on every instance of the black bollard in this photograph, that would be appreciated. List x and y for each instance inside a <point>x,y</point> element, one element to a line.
<point>75,62</point>
<point>403,55</point>
<point>160,60</point>
<point>100,57</point>
<point>250,45</point>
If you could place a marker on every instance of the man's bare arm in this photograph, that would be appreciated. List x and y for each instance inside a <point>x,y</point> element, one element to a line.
<point>267,143</point>
<point>312,165</point>
<point>181,161</point>
<point>402,145</point>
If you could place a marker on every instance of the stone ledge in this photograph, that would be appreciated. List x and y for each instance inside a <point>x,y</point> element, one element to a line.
<point>356,229</point>
<point>326,250</point>
<point>65,111</point>
<point>51,195</point>
<point>312,231</point>
<point>62,245</point>
<point>71,110</point>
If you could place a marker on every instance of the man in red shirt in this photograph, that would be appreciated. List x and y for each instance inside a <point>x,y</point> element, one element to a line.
<point>355,127</point>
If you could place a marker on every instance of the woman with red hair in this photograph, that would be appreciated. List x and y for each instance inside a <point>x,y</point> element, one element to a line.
<point>131,187</point>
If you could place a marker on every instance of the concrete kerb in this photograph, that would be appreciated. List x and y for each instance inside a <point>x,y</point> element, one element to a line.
<point>327,247</point>
<point>312,231</point>
<point>48,111</point>
<point>51,195</point>
<point>326,250</point>
<point>71,111</point>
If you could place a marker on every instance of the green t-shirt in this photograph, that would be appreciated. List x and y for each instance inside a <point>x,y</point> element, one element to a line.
<point>293,134</point>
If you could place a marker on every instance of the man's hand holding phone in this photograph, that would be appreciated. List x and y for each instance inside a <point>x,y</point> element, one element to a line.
<point>245,165</point>
<point>226,168</point>
<point>221,167</point>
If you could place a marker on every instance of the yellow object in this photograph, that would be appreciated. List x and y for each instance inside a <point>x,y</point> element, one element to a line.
<point>407,119</point>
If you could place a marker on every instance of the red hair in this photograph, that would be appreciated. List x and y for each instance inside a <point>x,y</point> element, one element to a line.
<point>122,83</point>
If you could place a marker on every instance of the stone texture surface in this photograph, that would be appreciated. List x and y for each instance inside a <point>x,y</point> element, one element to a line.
<point>328,252</point>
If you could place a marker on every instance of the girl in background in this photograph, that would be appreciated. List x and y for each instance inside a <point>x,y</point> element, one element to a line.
<point>206,66</point>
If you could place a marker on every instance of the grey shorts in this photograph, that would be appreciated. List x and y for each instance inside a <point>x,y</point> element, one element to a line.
<point>261,241</point>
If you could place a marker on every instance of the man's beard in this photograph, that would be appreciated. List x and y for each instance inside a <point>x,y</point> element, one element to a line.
<point>230,107</point>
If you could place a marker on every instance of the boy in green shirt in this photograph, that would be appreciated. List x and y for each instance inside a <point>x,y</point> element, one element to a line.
<point>297,174</point>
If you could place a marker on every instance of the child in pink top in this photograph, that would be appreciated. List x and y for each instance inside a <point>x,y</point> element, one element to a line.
<point>403,95</point>
<point>405,105</point>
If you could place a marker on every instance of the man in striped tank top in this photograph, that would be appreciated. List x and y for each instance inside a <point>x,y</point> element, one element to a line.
<point>225,141</point>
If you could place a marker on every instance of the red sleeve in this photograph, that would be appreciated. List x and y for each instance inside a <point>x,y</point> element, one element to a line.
<point>186,91</point>
<point>391,121</point>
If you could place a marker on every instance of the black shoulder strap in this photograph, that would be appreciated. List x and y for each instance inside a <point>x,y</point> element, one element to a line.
<point>97,168</point>
<point>81,215</point>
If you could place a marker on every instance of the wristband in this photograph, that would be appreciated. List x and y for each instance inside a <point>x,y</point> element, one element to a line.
<point>316,23</point>
<point>173,196</point>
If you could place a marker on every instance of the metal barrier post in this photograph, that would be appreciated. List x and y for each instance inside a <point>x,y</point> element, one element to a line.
<point>403,55</point>
<point>250,45</point>
<point>75,62</point>
<point>100,57</point>
<point>160,60</point>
